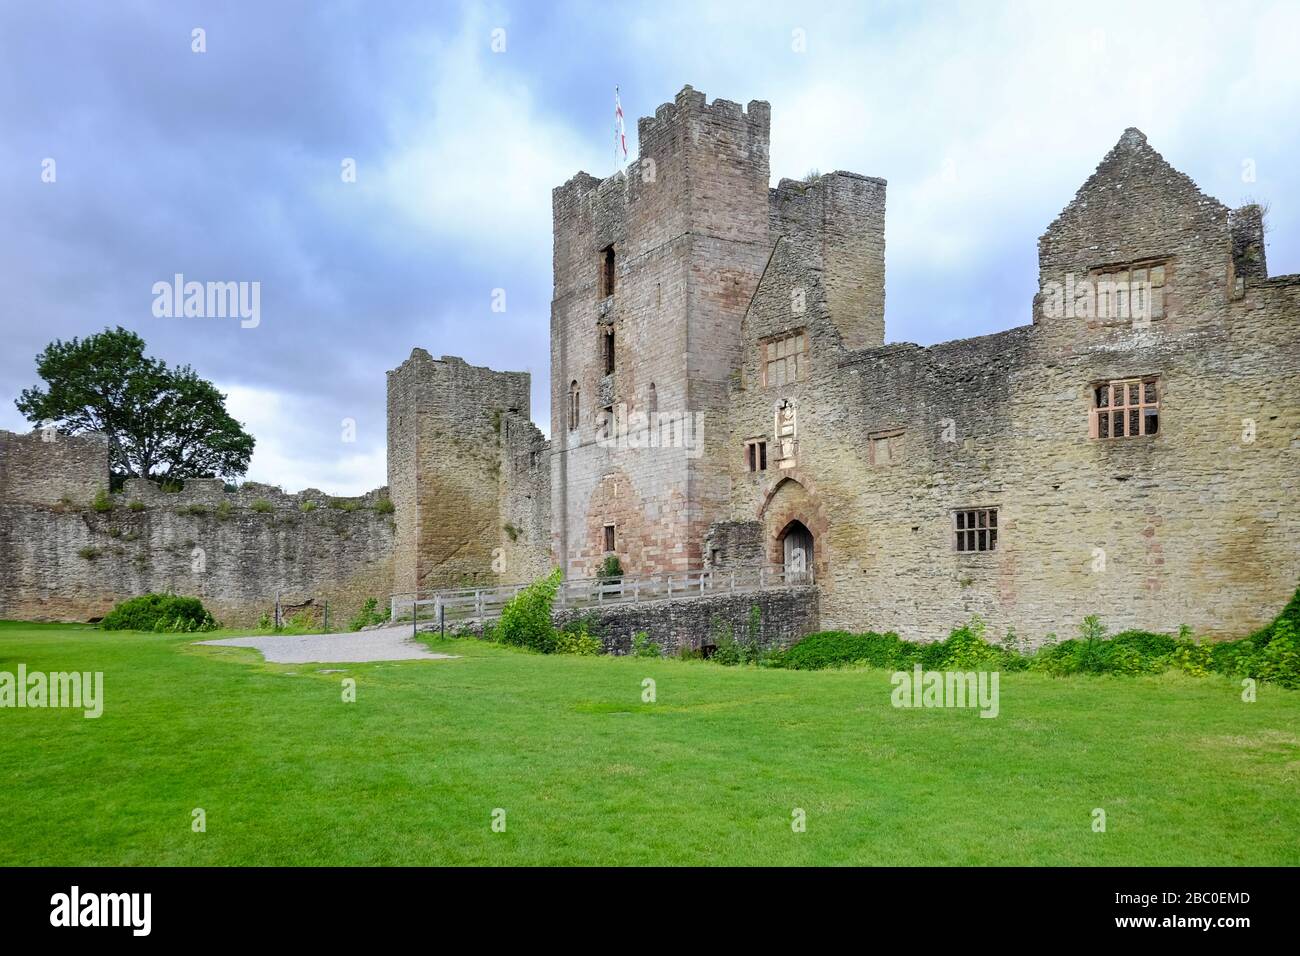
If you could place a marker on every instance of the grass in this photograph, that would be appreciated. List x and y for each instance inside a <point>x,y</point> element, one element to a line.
<point>587,773</point>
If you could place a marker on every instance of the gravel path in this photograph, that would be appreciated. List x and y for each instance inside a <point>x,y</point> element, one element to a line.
<point>384,644</point>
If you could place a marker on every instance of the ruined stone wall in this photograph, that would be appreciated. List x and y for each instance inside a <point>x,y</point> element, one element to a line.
<point>62,559</point>
<point>1196,524</point>
<point>524,498</point>
<point>784,616</point>
<point>838,223</point>
<point>452,465</point>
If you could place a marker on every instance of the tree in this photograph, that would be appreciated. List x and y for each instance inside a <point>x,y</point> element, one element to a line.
<point>162,423</point>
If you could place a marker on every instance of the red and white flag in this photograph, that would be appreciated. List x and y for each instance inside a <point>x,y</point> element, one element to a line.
<point>620,131</point>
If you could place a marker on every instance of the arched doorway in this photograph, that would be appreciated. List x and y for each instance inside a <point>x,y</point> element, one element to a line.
<point>797,549</point>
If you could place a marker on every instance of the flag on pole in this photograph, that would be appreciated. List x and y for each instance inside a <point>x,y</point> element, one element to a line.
<point>620,131</point>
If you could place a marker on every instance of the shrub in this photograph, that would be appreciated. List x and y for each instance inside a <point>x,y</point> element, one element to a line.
<point>526,619</point>
<point>1190,655</point>
<point>611,567</point>
<point>965,649</point>
<point>102,502</point>
<point>223,511</point>
<point>839,649</point>
<point>575,639</point>
<point>384,506</point>
<point>1280,660</point>
<point>264,622</point>
<point>159,612</point>
<point>642,646</point>
<point>368,615</point>
<point>89,553</point>
<point>136,505</point>
<point>261,506</point>
<point>511,531</point>
<point>194,509</point>
<point>1146,643</point>
<point>344,504</point>
<point>307,506</point>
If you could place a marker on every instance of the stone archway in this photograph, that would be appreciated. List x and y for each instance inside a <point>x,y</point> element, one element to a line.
<point>793,519</point>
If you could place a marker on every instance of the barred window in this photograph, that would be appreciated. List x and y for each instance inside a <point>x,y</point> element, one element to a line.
<point>609,537</point>
<point>785,359</point>
<point>976,529</point>
<point>1128,408</point>
<point>756,455</point>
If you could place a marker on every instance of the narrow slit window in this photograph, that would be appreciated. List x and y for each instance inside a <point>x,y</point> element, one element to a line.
<point>756,455</point>
<point>607,272</point>
<point>573,405</point>
<point>609,537</point>
<point>608,350</point>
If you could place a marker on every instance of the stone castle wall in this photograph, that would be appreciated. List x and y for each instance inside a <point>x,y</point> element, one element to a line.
<point>872,447</point>
<point>1195,524</point>
<point>62,559</point>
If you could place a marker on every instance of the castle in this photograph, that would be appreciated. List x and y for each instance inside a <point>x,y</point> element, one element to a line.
<point>722,395</point>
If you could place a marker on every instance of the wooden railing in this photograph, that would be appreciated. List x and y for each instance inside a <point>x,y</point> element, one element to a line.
<point>485,604</point>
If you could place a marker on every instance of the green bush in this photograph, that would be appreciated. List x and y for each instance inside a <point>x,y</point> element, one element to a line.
<point>384,506</point>
<point>136,505</point>
<point>368,615</point>
<point>839,649</point>
<point>1280,660</point>
<point>611,568</point>
<point>344,504</point>
<point>261,506</point>
<point>159,612</point>
<point>102,502</point>
<point>642,646</point>
<point>575,639</point>
<point>307,506</point>
<point>526,619</point>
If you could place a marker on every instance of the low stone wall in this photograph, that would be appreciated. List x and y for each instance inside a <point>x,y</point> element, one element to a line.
<point>786,614</point>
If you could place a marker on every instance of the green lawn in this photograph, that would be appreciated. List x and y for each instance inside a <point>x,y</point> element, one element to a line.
<point>411,773</point>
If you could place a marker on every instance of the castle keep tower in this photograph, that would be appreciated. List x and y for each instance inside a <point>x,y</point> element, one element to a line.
<point>653,270</point>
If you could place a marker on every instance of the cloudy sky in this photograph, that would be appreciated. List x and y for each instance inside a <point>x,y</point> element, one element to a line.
<point>226,165</point>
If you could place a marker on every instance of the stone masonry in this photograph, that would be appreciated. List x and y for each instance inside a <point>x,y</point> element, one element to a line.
<point>722,394</point>
<point>63,559</point>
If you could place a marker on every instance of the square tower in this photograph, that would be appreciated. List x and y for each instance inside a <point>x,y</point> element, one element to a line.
<point>654,268</point>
